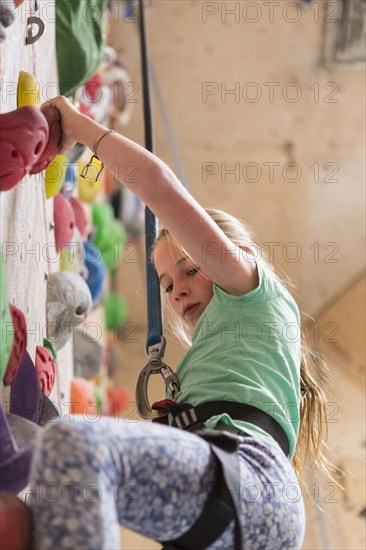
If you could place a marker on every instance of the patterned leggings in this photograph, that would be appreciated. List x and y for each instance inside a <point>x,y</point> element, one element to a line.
<point>89,478</point>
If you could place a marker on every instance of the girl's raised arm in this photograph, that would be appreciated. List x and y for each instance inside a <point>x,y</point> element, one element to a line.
<point>157,186</point>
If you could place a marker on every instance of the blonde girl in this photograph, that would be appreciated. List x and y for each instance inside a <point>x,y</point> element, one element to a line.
<point>226,481</point>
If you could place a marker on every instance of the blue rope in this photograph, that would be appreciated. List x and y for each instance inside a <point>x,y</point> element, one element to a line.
<point>154,321</point>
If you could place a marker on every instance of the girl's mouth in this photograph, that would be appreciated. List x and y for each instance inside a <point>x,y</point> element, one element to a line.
<point>191,309</point>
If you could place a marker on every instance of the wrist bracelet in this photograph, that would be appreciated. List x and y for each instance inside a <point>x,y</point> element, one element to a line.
<point>99,139</point>
<point>86,168</point>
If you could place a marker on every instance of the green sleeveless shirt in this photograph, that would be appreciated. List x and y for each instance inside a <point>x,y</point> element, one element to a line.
<point>247,349</point>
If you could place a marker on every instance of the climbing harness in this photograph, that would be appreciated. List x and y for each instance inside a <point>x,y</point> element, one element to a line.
<point>187,417</point>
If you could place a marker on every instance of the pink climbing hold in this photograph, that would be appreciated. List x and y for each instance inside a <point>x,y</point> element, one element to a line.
<point>53,117</point>
<point>19,345</point>
<point>93,86</point>
<point>80,216</point>
<point>46,369</point>
<point>23,138</point>
<point>64,219</point>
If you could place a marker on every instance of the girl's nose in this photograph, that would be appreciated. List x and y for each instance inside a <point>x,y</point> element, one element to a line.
<point>181,288</point>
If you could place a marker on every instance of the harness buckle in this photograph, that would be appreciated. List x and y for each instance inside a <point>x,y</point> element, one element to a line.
<point>186,418</point>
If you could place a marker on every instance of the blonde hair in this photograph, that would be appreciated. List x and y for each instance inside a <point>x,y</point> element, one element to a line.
<point>309,452</point>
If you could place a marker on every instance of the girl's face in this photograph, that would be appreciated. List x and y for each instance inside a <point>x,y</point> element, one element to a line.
<point>189,290</point>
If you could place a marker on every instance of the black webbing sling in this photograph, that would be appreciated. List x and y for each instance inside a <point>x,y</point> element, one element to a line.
<point>222,505</point>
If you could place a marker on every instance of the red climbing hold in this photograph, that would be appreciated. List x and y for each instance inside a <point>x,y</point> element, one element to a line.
<point>23,138</point>
<point>19,345</point>
<point>15,522</point>
<point>93,86</point>
<point>80,216</point>
<point>64,219</point>
<point>46,369</point>
<point>53,117</point>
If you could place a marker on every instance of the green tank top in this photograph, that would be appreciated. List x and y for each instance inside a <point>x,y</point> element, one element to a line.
<point>247,349</point>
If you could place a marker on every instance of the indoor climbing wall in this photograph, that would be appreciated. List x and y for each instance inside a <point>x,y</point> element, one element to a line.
<point>61,237</point>
<point>26,216</point>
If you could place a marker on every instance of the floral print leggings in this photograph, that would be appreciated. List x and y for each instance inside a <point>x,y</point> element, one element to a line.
<point>90,477</point>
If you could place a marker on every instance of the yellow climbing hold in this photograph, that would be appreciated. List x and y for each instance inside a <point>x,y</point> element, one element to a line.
<point>88,186</point>
<point>28,90</point>
<point>55,175</point>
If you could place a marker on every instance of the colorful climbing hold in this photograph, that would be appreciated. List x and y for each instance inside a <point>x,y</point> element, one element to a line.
<point>25,392</point>
<point>17,440</point>
<point>6,18</point>
<point>115,309</point>
<point>80,216</point>
<point>6,325</point>
<point>72,255</point>
<point>92,87</point>
<point>115,403</point>
<point>19,345</point>
<point>87,354</point>
<point>110,235</point>
<point>82,396</point>
<point>53,117</point>
<point>96,270</point>
<point>55,175</point>
<point>51,348</point>
<point>23,138</point>
<point>68,303</point>
<point>27,90</point>
<point>46,369</point>
<point>89,186</point>
<point>64,219</point>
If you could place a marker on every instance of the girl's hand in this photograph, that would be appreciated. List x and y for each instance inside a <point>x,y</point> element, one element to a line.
<point>70,120</point>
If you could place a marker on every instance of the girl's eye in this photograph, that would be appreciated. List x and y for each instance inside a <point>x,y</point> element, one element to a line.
<point>193,270</point>
<point>169,288</point>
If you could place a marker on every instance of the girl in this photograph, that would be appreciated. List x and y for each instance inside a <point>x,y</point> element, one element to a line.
<point>245,353</point>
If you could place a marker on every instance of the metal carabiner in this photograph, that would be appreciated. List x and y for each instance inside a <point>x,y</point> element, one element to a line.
<point>155,353</point>
<point>142,399</point>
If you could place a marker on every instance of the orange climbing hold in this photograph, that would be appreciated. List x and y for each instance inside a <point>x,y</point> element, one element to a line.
<point>82,397</point>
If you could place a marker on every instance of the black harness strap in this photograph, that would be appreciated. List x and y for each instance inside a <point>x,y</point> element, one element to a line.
<point>191,418</point>
<point>222,506</point>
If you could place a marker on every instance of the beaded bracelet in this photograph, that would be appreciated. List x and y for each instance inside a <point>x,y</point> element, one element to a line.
<point>84,171</point>
<point>99,139</point>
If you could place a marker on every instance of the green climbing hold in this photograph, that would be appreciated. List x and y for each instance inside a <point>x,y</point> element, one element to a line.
<point>110,234</point>
<point>115,310</point>
<point>50,347</point>
<point>7,330</point>
<point>79,41</point>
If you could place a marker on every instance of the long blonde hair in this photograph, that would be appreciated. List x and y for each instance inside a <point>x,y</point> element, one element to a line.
<point>311,443</point>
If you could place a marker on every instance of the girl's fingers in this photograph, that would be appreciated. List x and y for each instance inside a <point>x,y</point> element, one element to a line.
<point>68,120</point>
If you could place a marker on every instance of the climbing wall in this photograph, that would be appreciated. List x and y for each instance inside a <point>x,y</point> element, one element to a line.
<point>26,217</point>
